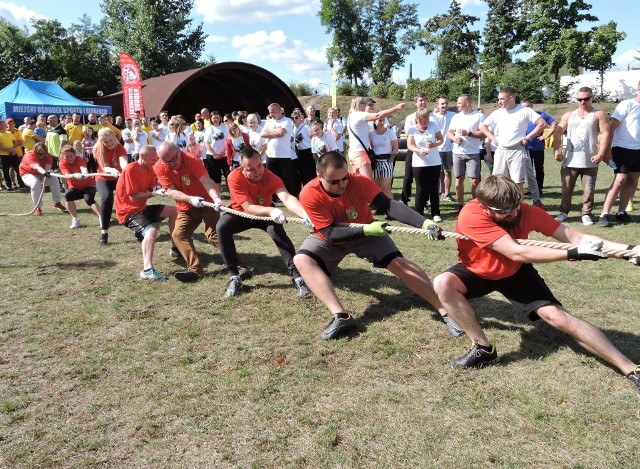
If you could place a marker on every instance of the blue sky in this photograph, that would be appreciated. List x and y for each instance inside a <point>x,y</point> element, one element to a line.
<point>286,37</point>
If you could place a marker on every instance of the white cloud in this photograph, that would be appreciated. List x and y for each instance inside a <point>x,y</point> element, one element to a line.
<point>627,58</point>
<point>18,14</point>
<point>251,11</point>
<point>470,4</point>
<point>211,39</point>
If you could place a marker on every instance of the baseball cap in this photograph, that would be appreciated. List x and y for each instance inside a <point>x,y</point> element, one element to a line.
<point>369,101</point>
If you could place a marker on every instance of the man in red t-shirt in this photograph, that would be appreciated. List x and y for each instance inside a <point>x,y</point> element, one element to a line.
<point>80,186</point>
<point>491,260</point>
<point>252,188</point>
<point>335,197</point>
<point>135,186</point>
<point>186,180</point>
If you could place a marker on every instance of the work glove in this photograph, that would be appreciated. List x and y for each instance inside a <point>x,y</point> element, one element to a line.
<point>278,216</point>
<point>376,228</point>
<point>434,230</point>
<point>217,204</point>
<point>196,201</point>
<point>588,250</point>
<point>159,192</point>
<point>113,172</point>
<point>78,176</point>
<point>307,220</point>
<point>635,257</point>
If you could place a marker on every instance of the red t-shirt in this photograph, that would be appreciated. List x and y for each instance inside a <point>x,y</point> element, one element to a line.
<point>350,207</point>
<point>133,179</point>
<point>29,158</point>
<point>260,193</point>
<point>186,179</point>
<point>112,158</point>
<point>66,168</point>
<point>475,254</point>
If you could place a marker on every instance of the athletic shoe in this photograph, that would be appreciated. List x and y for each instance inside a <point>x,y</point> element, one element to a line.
<point>604,221</point>
<point>476,357</point>
<point>235,285</point>
<point>187,276</point>
<point>11,189</point>
<point>448,197</point>
<point>623,217</point>
<point>339,324</point>
<point>139,236</point>
<point>104,239</point>
<point>453,327</point>
<point>635,377</point>
<point>527,192</point>
<point>629,207</point>
<point>303,289</point>
<point>586,220</point>
<point>538,203</point>
<point>175,253</point>
<point>152,274</point>
<point>37,212</point>
<point>562,217</point>
<point>437,219</point>
<point>75,223</point>
<point>60,207</point>
<point>245,272</point>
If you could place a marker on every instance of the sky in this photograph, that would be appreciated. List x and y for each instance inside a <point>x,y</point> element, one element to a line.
<point>286,37</point>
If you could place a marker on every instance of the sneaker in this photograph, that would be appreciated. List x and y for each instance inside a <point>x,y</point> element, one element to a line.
<point>303,289</point>
<point>235,285</point>
<point>104,239</point>
<point>586,220</point>
<point>538,203</point>
<point>75,223</point>
<point>152,274</point>
<point>175,253</point>
<point>629,207</point>
<point>187,276</point>
<point>476,357</point>
<point>527,192</point>
<point>635,377</point>
<point>139,236</point>
<point>453,327</point>
<point>60,207</point>
<point>437,219</point>
<point>11,189</point>
<point>623,217</point>
<point>562,217</point>
<point>448,197</point>
<point>37,212</point>
<point>339,323</point>
<point>245,272</point>
<point>604,221</point>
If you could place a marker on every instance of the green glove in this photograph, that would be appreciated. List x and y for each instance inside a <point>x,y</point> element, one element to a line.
<point>376,228</point>
<point>435,232</point>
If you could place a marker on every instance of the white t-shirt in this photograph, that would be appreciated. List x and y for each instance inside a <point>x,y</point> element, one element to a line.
<point>302,131</point>
<point>158,136</point>
<point>382,143</point>
<point>471,123</point>
<point>323,144</point>
<point>140,142</point>
<point>279,147</point>
<point>421,140</point>
<point>200,140</point>
<point>338,126</point>
<point>178,139</point>
<point>359,125</point>
<point>409,122</point>
<point>443,121</point>
<point>216,136</point>
<point>627,135</point>
<point>128,147</point>
<point>511,126</point>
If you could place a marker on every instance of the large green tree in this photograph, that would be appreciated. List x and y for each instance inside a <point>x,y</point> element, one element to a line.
<point>602,43</point>
<point>158,34</point>
<point>451,37</point>
<point>16,54</point>
<point>503,32</point>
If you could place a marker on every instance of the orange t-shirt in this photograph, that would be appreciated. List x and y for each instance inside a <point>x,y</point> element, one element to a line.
<point>76,167</point>
<point>29,158</point>
<point>133,179</point>
<point>260,193</point>
<point>186,179</point>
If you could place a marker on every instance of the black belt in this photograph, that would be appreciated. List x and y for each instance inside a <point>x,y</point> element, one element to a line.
<point>385,157</point>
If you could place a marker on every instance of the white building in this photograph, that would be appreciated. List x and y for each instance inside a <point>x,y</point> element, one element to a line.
<point>620,85</point>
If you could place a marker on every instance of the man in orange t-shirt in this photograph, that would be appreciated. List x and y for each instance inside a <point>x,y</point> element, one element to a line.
<point>80,186</point>
<point>491,260</point>
<point>135,186</point>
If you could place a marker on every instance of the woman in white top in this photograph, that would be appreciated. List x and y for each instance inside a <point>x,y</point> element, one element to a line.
<point>423,139</point>
<point>321,142</point>
<point>359,133</point>
<point>335,127</point>
<point>256,140</point>
<point>384,144</point>
<point>177,135</point>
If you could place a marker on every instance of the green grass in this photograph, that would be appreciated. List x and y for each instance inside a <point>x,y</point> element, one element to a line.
<point>100,368</point>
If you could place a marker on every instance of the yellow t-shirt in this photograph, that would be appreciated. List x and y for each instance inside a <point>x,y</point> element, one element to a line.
<point>6,140</point>
<point>17,137</point>
<point>74,131</point>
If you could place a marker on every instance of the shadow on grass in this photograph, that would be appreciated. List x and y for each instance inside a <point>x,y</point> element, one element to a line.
<point>78,265</point>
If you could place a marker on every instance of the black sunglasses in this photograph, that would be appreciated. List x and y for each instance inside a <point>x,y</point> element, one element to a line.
<point>588,98</point>
<point>335,182</point>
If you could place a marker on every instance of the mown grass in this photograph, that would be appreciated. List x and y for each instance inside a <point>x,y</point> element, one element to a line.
<point>100,368</point>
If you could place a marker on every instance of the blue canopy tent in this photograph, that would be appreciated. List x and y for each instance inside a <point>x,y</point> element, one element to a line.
<point>28,98</point>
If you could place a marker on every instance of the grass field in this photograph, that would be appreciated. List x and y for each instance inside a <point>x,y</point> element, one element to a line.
<point>99,368</point>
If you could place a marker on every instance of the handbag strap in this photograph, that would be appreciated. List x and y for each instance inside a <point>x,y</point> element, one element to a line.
<point>359,139</point>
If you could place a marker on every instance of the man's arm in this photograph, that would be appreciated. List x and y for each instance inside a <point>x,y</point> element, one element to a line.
<point>291,202</point>
<point>605,129</point>
<point>559,131</point>
<point>540,125</point>
<point>212,188</point>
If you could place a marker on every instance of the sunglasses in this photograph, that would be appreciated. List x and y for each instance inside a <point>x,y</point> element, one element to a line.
<point>335,182</point>
<point>172,160</point>
<point>584,99</point>
<point>504,211</point>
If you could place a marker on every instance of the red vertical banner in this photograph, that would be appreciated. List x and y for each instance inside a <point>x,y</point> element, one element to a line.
<point>131,86</point>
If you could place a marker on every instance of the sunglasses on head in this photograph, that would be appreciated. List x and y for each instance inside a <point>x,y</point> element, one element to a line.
<point>504,211</point>
<point>335,182</point>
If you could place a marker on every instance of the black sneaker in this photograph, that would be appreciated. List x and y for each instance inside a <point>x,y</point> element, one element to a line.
<point>104,239</point>
<point>187,276</point>
<point>635,377</point>
<point>623,217</point>
<point>476,357</point>
<point>604,221</point>
<point>339,323</point>
<point>303,289</point>
<point>175,253</point>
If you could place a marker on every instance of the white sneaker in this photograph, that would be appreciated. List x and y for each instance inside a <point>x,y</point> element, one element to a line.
<point>75,223</point>
<point>586,220</point>
<point>437,219</point>
<point>562,217</point>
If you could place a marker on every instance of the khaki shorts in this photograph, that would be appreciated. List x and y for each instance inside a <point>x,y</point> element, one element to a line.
<point>359,159</point>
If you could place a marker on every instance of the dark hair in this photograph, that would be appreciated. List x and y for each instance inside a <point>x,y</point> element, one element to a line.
<point>330,159</point>
<point>248,152</point>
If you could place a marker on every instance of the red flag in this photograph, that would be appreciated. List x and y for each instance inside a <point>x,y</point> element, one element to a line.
<point>131,86</point>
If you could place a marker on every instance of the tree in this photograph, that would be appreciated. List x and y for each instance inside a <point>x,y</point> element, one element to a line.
<point>599,50</point>
<point>449,35</point>
<point>503,32</point>
<point>156,33</point>
<point>16,53</point>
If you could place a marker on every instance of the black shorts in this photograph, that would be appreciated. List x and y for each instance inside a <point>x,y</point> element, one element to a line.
<point>525,289</point>
<point>626,160</point>
<point>88,194</point>
<point>141,221</point>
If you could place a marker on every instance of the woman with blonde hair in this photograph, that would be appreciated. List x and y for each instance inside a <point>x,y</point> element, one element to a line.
<point>112,159</point>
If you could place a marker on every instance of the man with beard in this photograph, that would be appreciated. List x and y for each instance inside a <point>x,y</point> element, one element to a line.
<point>491,260</point>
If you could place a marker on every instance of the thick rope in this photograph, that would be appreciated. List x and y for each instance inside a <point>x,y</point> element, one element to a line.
<point>617,253</point>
